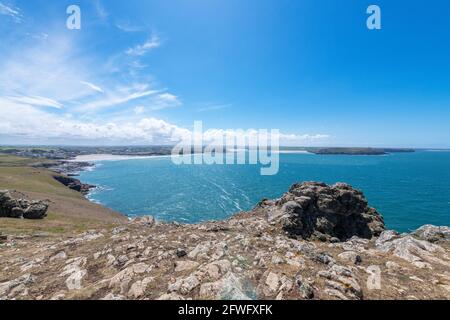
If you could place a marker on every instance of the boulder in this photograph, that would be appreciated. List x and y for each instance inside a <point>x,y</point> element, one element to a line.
<point>316,211</point>
<point>21,208</point>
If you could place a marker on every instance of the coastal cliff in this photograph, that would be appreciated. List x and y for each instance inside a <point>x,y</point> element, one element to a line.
<point>315,242</point>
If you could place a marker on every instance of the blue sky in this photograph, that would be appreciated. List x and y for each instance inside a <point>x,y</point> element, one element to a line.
<point>142,72</point>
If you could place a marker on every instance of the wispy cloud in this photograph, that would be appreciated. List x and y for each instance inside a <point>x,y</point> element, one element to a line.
<point>165,100</point>
<point>126,26</point>
<point>142,49</point>
<point>11,12</point>
<point>114,100</point>
<point>37,101</point>
<point>214,107</point>
<point>139,110</point>
<point>101,11</point>
<point>92,86</point>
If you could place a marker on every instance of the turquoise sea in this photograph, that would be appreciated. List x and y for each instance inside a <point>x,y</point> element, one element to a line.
<point>409,190</point>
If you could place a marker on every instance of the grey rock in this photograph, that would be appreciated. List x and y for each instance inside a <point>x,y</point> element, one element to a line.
<point>316,211</point>
<point>306,290</point>
<point>350,256</point>
<point>433,233</point>
<point>181,253</point>
<point>21,208</point>
<point>323,258</point>
<point>229,287</point>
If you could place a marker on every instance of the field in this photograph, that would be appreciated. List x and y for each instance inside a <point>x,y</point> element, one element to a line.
<point>69,211</point>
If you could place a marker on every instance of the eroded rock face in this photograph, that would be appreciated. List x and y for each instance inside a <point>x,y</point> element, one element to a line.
<point>21,208</point>
<point>74,184</point>
<point>316,211</point>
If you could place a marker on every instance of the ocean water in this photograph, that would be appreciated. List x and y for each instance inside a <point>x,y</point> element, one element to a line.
<point>409,190</point>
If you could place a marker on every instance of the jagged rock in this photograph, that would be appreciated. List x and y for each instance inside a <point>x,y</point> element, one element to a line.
<point>229,287</point>
<point>323,258</point>
<point>138,288</point>
<point>6,287</point>
<point>418,252</point>
<point>272,283</point>
<point>74,281</point>
<point>306,290</point>
<point>189,284</point>
<point>74,184</point>
<point>21,208</point>
<point>148,221</point>
<point>342,280</point>
<point>181,266</point>
<point>392,266</point>
<point>217,269</point>
<point>350,256</point>
<point>122,279</point>
<point>171,296</point>
<point>112,297</point>
<point>432,233</point>
<point>200,251</point>
<point>75,273</point>
<point>317,211</point>
<point>59,256</point>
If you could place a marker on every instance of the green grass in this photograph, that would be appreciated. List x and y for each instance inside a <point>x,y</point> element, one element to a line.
<point>69,210</point>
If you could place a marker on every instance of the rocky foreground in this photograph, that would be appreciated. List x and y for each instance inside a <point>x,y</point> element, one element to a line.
<point>316,242</point>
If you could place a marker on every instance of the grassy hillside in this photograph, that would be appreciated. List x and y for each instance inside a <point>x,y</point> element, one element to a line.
<point>68,211</point>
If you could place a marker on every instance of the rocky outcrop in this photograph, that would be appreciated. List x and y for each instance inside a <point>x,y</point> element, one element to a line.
<point>249,256</point>
<point>21,208</point>
<point>74,184</point>
<point>317,211</point>
<point>433,234</point>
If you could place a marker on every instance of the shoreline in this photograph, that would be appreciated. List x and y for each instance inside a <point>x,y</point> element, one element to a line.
<point>111,157</point>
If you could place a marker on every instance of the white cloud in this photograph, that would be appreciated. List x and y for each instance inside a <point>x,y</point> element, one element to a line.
<point>126,26</point>
<point>38,101</point>
<point>26,121</point>
<point>142,49</point>
<point>92,86</point>
<point>19,119</point>
<point>11,12</point>
<point>165,100</point>
<point>250,135</point>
